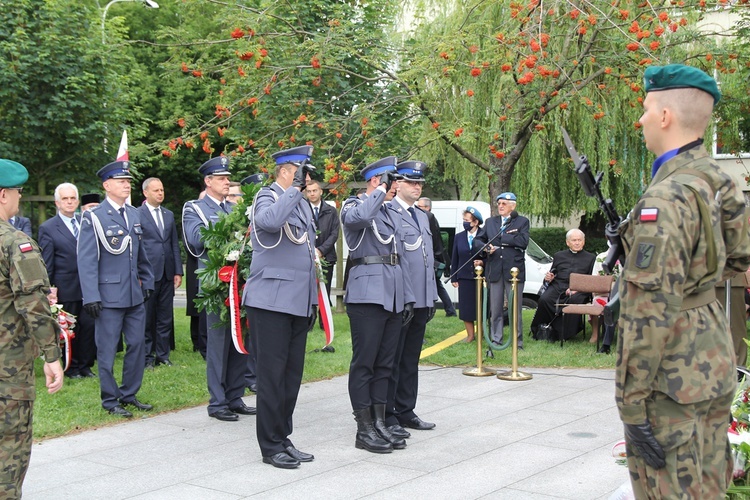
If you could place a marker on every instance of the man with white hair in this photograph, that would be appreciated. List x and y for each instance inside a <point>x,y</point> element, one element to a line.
<point>58,239</point>
<point>565,262</point>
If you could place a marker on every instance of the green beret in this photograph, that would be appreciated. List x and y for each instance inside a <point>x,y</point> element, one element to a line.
<point>12,174</point>
<point>679,76</point>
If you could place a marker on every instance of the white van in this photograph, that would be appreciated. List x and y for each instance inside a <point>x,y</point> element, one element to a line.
<point>449,214</point>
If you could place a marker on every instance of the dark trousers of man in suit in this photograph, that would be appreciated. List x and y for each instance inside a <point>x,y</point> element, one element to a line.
<point>375,337</point>
<point>403,384</point>
<point>132,322</point>
<point>225,368</point>
<point>279,340</point>
<point>450,310</point>
<point>159,321</point>
<point>83,344</point>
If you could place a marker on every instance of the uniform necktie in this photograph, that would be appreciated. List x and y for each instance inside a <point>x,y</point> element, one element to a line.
<point>122,213</point>
<point>223,207</point>
<point>317,212</point>
<point>74,225</point>
<point>471,239</point>
<point>413,215</point>
<point>159,222</point>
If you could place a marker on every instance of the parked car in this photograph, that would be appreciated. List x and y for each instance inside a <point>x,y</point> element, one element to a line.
<point>449,214</point>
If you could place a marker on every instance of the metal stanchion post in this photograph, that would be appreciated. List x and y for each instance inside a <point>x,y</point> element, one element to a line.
<point>479,370</point>
<point>514,374</point>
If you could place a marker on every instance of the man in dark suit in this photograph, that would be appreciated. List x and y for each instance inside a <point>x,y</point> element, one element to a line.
<point>279,298</point>
<point>327,224</point>
<point>58,239</point>
<point>506,237</point>
<point>116,279</point>
<point>22,224</point>
<point>404,381</point>
<point>564,263</point>
<point>442,264</point>
<point>225,366</point>
<point>163,251</point>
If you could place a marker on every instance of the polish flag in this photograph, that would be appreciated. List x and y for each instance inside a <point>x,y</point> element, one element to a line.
<point>649,214</point>
<point>122,153</point>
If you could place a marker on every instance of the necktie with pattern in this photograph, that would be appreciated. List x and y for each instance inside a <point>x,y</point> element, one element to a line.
<point>74,225</point>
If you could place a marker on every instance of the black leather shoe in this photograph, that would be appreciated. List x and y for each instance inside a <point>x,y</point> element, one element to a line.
<point>86,372</point>
<point>282,461</point>
<point>253,388</point>
<point>604,349</point>
<point>120,412</point>
<point>149,365</point>
<point>164,362</point>
<point>399,431</point>
<point>417,423</point>
<point>74,376</point>
<point>300,456</point>
<point>450,315</point>
<point>137,404</point>
<point>243,409</point>
<point>224,415</point>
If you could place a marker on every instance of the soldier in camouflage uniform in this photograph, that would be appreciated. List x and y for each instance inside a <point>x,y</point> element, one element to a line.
<point>27,328</point>
<point>675,375</point>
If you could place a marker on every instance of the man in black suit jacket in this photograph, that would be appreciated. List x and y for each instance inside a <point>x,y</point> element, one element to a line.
<point>506,236</point>
<point>162,248</point>
<point>442,264</point>
<point>22,224</point>
<point>58,239</point>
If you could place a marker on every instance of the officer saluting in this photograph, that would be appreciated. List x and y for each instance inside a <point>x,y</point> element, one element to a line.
<point>377,294</point>
<point>279,297</point>
<point>404,381</point>
<point>28,328</point>
<point>116,278</point>
<point>225,367</point>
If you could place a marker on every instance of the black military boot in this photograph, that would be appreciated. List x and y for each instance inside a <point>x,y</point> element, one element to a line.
<point>367,437</point>
<point>379,414</point>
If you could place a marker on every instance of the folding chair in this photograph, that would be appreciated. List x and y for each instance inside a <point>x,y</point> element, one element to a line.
<point>593,284</point>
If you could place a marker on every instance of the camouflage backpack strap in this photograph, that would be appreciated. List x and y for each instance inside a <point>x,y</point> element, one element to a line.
<point>705,217</point>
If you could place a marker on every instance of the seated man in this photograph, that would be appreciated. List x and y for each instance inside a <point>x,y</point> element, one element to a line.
<point>564,263</point>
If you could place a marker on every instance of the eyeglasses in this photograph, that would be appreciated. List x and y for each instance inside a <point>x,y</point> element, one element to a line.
<point>19,189</point>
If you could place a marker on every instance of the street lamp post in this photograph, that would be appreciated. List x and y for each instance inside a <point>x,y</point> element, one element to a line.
<point>148,3</point>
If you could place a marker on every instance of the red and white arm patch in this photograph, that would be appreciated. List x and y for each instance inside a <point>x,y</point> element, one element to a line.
<point>648,215</point>
<point>25,247</point>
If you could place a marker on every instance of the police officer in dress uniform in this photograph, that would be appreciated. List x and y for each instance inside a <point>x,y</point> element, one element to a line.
<point>675,376</point>
<point>279,297</point>
<point>225,366</point>
<point>27,328</point>
<point>415,225</point>
<point>508,236</point>
<point>116,279</point>
<point>379,300</point>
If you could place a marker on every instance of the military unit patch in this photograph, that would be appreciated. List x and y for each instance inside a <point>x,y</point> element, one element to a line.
<point>649,215</point>
<point>25,247</point>
<point>644,255</point>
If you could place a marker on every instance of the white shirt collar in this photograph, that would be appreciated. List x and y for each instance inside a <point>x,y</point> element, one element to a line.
<point>403,203</point>
<point>218,202</point>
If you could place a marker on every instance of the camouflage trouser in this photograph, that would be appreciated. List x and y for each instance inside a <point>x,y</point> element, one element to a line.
<point>15,445</point>
<point>694,438</point>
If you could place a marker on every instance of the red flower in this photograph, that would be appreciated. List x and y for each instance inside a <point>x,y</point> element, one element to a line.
<point>252,101</point>
<point>189,144</point>
<point>263,53</point>
<point>166,153</point>
<point>654,45</point>
<point>624,14</point>
<point>258,63</point>
<point>221,131</point>
<point>564,105</point>
<point>181,123</point>
<point>315,62</point>
<point>444,55</point>
<point>435,125</point>
<point>473,49</point>
<point>663,16</point>
<point>637,125</point>
<point>173,145</point>
<point>499,155</point>
<point>207,146</point>
<point>470,93</point>
<point>185,68</point>
<point>204,135</point>
<point>338,135</point>
<point>574,14</point>
<point>633,46</point>
<point>658,31</point>
<point>365,121</point>
<point>475,72</point>
<point>225,274</point>
<point>246,56</point>
<point>240,71</point>
<point>237,33</point>
<point>267,90</point>
<point>197,73</point>
<point>506,67</point>
<point>316,81</point>
<point>458,132</point>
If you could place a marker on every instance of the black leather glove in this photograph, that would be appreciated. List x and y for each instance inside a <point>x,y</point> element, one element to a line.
<point>430,313</point>
<point>312,318</point>
<point>388,178</point>
<point>300,178</point>
<point>93,309</point>
<point>147,294</point>
<point>641,437</point>
<point>407,314</point>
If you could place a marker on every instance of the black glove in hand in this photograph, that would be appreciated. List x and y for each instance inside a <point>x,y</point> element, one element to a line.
<point>147,294</point>
<point>641,437</point>
<point>408,313</point>
<point>387,179</point>
<point>300,178</point>
<point>93,309</point>
<point>430,313</point>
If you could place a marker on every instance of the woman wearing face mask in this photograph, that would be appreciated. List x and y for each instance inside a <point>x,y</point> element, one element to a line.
<point>464,279</point>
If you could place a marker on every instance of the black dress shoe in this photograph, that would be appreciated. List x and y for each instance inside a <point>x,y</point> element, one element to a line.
<point>300,456</point>
<point>417,423</point>
<point>450,315</point>
<point>164,362</point>
<point>74,376</point>
<point>604,349</point>
<point>253,388</point>
<point>399,431</point>
<point>243,409</point>
<point>282,461</point>
<point>224,415</point>
<point>137,404</point>
<point>149,365</point>
<point>86,372</point>
<point>120,412</point>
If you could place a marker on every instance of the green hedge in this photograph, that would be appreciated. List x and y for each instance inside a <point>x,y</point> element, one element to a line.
<point>552,239</point>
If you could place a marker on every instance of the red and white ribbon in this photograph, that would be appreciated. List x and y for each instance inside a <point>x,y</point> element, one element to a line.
<point>234,313</point>
<point>324,304</point>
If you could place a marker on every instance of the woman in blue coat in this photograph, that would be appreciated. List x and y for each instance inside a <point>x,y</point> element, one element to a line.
<point>464,279</point>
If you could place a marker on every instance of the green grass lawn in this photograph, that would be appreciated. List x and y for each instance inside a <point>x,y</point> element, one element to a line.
<point>78,406</point>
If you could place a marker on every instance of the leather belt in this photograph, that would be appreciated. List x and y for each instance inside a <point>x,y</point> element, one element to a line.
<point>390,259</point>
